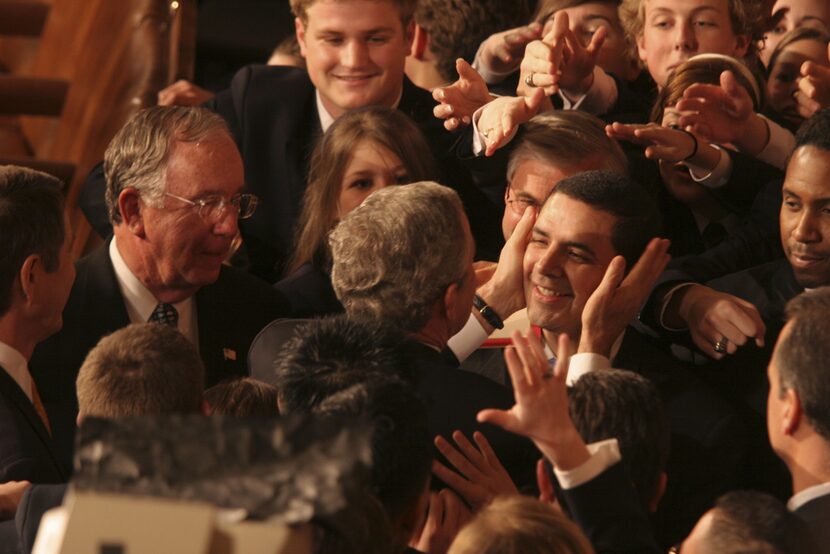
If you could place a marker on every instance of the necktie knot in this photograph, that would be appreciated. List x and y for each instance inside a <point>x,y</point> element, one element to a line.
<point>165,314</point>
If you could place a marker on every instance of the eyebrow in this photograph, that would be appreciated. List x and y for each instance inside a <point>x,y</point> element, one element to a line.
<point>373,31</point>
<point>695,11</point>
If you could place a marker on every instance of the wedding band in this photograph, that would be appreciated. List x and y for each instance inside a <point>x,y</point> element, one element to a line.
<point>529,81</point>
<point>720,346</point>
<point>548,374</point>
<point>487,132</point>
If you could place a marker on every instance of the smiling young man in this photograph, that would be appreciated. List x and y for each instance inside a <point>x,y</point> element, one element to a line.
<point>592,227</point>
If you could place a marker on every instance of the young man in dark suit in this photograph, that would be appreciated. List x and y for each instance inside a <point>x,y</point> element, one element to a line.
<point>174,194</point>
<point>36,274</point>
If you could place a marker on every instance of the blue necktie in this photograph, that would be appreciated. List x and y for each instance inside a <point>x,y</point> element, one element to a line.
<point>165,314</point>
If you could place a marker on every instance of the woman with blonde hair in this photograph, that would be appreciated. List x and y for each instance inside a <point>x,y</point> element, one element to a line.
<point>363,151</point>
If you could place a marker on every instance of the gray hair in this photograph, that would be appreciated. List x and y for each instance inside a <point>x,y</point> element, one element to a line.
<point>567,139</point>
<point>397,253</point>
<point>138,154</point>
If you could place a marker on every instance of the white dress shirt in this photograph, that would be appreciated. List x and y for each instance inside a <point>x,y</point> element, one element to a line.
<point>17,367</point>
<point>808,494</point>
<point>140,301</point>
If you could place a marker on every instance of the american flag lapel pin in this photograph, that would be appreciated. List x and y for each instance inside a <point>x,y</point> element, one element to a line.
<point>229,354</point>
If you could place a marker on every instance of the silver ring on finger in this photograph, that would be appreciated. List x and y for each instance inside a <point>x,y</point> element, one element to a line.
<point>720,346</point>
<point>529,80</point>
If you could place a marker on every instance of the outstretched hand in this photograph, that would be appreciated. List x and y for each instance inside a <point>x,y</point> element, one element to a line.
<point>560,61</point>
<point>619,297</point>
<point>541,409</point>
<point>501,117</point>
<point>502,52</point>
<point>479,475</point>
<point>662,143</point>
<point>459,101</point>
<point>813,92</point>
<point>445,516</point>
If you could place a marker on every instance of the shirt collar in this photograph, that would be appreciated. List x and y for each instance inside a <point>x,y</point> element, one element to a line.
<point>808,494</point>
<point>17,367</point>
<point>326,119</point>
<point>615,349</point>
<point>139,300</point>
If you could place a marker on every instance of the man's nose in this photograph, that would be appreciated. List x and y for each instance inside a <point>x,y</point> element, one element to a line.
<point>807,228</point>
<point>354,54</point>
<point>685,38</point>
<point>227,221</point>
<point>550,264</point>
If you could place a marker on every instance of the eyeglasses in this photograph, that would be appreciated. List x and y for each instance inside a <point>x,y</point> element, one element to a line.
<point>518,205</point>
<point>213,207</point>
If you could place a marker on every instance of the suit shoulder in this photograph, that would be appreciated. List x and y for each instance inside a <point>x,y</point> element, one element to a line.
<point>241,287</point>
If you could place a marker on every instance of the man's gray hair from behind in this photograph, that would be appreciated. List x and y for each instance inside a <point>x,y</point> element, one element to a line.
<point>397,253</point>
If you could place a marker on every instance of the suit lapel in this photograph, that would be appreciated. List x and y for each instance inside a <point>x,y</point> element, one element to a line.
<point>20,402</point>
<point>218,344</point>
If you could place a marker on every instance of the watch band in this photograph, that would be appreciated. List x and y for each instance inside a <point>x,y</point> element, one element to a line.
<point>488,313</point>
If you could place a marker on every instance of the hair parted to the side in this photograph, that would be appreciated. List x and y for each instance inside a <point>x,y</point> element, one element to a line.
<point>382,126</point>
<point>567,139</point>
<point>801,356</point>
<point>242,397</point>
<point>520,525</point>
<point>137,155</point>
<point>142,369</point>
<point>395,255</point>
<point>626,406</point>
<point>638,219</point>
<point>31,222</point>
<point>300,8</point>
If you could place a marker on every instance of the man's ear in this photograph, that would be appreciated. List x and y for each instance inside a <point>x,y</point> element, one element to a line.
<point>662,481</point>
<point>205,408</point>
<point>130,208</point>
<point>741,45</point>
<point>28,276</point>
<point>409,33</point>
<point>299,30</point>
<point>793,413</point>
<point>451,304</point>
<point>420,38</point>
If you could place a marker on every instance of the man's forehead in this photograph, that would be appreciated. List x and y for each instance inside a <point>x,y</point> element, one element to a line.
<point>808,172</point>
<point>572,218</point>
<point>325,14</point>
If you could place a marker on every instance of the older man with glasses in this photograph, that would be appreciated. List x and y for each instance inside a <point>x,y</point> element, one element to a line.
<point>174,194</point>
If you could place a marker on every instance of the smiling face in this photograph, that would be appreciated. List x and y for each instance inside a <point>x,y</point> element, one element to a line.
<point>795,13</point>
<point>372,167</point>
<point>181,251</point>
<point>354,52</point>
<point>569,251</point>
<point>676,30</point>
<point>784,76</point>
<point>805,216</point>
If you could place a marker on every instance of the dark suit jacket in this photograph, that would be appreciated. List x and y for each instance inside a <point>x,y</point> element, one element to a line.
<point>230,314</point>
<point>608,511</point>
<point>453,398</point>
<point>707,441</point>
<point>36,501</point>
<point>816,513</point>
<point>26,449</point>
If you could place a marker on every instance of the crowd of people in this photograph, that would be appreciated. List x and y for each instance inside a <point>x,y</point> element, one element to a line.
<point>568,257</point>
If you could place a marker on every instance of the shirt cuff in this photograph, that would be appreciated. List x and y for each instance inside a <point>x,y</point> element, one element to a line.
<point>779,147</point>
<point>718,176</point>
<point>479,140</point>
<point>468,339</point>
<point>604,454</point>
<point>585,362</point>
<point>666,299</point>
<point>598,100</point>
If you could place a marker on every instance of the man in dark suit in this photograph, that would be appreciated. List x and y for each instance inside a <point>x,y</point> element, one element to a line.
<point>174,194</point>
<point>404,258</point>
<point>593,226</point>
<point>36,274</point>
